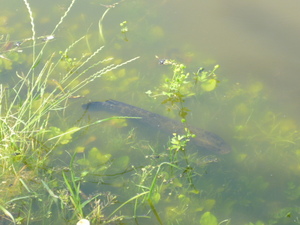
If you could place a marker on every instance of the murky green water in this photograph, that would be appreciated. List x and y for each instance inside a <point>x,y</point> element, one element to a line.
<point>254,109</point>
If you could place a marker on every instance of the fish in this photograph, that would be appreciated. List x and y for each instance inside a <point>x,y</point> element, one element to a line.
<point>204,140</point>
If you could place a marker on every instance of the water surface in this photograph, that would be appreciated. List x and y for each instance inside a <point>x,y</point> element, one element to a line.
<point>254,108</point>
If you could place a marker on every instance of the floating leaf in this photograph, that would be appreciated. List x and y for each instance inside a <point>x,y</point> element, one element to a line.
<point>155,198</point>
<point>96,158</point>
<point>209,203</point>
<point>67,136</point>
<point>208,219</point>
<point>83,162</point>
<point>209,85</point>
<point>80,149</point>
<point>121,163</point>
<point>53,131</point>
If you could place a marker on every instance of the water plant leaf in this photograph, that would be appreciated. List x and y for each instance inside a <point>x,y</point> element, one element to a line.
<point>121,163</point>
<point>83,162</point>
<point>208,219</point>
<point>209,85</point>
<point>155,198</point>
<point>53,131</point>
<point>97,158</point>
<point>67,136</point>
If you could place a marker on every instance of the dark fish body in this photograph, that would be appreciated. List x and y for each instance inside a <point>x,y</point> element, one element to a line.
<point>204,139</point>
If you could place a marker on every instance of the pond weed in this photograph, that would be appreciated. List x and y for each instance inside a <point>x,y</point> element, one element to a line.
<point>124,29</point>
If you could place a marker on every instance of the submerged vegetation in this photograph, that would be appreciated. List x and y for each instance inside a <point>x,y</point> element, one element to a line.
<point>53,172</point>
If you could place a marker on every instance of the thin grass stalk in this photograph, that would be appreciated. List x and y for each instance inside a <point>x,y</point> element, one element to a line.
<point>51,193</point>
<point>92,66</point>
<point>29,214</point>
<point>32,29</point>
<point>88,43</point>
<point>16,98</point>
<point>100,73</point>
<point>82,64</point>
<point>41,80</point>
<point>73,195</point>
<point>153,184</point>
<point>26,107</point>
<point>101,35</point>
<point>40,77</point>
<point>7,213</point>
<point>63,55</point>
<point>89,200</point>
<point>34,92</point>
<point>125,203</point>
<point>155,212</point>
<point>74,190</point>
<point>62,98</point>
<point>2,96</point>
<point>24,185</point>
<point>36,83</point>
<point>27,197</point>
<point>37,58</point>
<point>63,17</point>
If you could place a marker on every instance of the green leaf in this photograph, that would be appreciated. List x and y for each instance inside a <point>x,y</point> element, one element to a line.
<point>67,136</point>
<point>209,85</point>
<point>208,219</point>
<point>7,213</point>
<point>155,198</point>
<point>97,158</point>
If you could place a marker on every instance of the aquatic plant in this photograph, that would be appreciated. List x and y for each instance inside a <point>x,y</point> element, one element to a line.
<point>176,89</point>
<point>179,86</point>
<point>124,29</point>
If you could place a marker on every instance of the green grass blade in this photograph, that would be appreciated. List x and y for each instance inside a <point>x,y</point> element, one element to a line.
<point>7,213</point>
<point>129,200</point>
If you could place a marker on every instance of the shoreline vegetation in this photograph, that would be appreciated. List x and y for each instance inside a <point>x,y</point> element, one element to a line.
<point>27,140</point>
